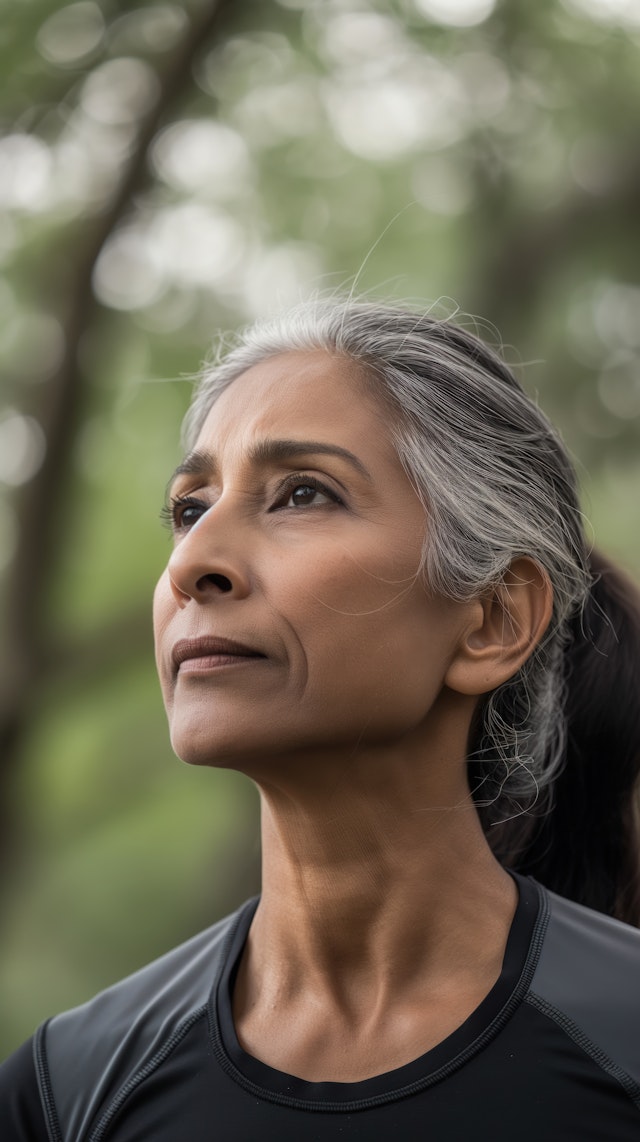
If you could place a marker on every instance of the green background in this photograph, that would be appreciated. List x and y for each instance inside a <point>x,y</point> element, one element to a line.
<point>168,171</point>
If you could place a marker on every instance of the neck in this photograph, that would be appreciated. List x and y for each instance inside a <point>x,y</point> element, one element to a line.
<point>383,919</point>
<point>379,872</point>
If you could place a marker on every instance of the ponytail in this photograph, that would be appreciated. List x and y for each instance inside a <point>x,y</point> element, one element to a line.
<point>587,846</point>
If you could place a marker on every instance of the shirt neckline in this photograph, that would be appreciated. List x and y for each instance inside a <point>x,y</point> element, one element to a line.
<point>520,959</point>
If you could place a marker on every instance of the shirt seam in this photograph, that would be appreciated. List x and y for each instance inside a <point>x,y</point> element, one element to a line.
<point>330,1106</point>
<point>143,1073</point>
<point>630,1085</point>
<point>45,1087</point>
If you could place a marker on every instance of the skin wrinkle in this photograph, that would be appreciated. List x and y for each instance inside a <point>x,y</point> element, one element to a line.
<point>203,463</point>
<point>384,915</point>
<point>470,418</point>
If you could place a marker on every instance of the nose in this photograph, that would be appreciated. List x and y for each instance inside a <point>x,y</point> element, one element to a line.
<point>206,564</point>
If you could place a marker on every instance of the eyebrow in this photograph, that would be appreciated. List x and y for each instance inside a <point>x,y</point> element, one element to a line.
<point>201,463</point>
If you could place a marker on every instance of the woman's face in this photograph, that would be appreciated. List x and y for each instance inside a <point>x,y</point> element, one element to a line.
<point>292,614</point>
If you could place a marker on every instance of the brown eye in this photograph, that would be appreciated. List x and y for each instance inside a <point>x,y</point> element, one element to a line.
<point>306,494</point>
<point>182,513</point>
<point>304,491</point>
<point>188,514</point>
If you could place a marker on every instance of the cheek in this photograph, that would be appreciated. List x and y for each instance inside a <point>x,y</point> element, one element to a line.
<point>378,676</point>
<point>355,581</point>
<point>372,640</point>
<point>163,609</point>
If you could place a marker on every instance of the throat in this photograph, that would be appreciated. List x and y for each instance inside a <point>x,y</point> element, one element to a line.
<point>324,1038</point>
<point>379,931</point>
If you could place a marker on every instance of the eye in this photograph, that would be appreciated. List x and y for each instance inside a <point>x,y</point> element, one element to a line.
<point>305,492</point>
<point>182,512</point>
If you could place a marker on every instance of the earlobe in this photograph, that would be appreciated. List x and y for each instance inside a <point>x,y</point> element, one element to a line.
<point>507,624</point>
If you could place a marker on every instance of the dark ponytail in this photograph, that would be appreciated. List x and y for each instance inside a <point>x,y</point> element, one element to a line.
<point>587,846</point>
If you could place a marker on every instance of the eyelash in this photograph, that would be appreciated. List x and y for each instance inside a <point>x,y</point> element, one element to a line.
<point>300,480</point>
<point>171,513</point>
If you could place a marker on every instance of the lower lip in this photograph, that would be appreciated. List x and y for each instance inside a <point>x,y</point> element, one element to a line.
<point>211,662</point>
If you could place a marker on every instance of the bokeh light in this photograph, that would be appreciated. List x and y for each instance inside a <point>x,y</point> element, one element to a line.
<point>22,447</point>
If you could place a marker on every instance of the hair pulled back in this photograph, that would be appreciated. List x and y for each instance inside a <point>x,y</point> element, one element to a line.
<point>496,483</point>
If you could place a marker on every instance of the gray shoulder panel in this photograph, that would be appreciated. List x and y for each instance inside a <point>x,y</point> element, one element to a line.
<point>92,1050</point>
<point>589,970</point>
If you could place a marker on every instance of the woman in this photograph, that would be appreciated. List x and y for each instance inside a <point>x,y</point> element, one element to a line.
<point>380,607</point>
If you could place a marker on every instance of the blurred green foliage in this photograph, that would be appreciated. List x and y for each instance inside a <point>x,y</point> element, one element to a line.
<point>168,170</point>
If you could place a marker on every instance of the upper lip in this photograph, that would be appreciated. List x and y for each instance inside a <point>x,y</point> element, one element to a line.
<point>201,647</point>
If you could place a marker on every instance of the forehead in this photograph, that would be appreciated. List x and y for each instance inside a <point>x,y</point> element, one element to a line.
<point>304,394</point>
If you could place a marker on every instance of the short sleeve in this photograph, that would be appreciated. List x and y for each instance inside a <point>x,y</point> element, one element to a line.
<point>21,1115</point>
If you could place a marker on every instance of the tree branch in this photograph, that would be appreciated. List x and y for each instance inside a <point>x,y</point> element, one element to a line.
<point>529,252</point>
<point>28,654</point>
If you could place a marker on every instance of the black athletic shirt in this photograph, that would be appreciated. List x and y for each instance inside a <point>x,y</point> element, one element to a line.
<point>552,1054</point>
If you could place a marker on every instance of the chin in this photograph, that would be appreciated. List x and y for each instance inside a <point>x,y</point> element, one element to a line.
<point>204,753</point>
<point>218,745</point>
<point>199,749</point>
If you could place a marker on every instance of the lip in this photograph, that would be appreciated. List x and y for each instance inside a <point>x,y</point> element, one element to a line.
<point>193,654</point>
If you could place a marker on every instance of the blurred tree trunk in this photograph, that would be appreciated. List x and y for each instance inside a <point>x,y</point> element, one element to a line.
<point>515,269</point>
<point>30,655</point>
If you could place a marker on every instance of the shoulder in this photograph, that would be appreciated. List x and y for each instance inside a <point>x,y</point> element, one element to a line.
<point>21,1114</point>
<point>587,979</point>
<point>87,1054</point>
<point>588,957</point>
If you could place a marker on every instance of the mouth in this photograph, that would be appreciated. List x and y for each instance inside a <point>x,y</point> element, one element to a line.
<point>195,655</point>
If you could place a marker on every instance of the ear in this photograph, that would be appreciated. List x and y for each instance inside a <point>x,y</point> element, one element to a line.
<point>505,627</point>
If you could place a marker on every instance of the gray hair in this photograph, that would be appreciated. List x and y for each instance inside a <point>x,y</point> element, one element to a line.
<point>496,483</point>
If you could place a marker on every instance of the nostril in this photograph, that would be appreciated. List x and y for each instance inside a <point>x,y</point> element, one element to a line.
<point>219,581</point>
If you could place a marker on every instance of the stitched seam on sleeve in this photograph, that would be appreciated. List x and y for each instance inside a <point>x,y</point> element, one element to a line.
<point>600,1057</point>
<point>44,1085</point>
<point>139,1077</point>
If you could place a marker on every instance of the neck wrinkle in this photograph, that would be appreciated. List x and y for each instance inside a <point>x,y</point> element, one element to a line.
<point>366,897</point>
